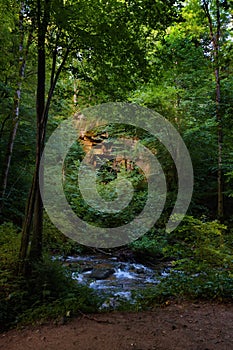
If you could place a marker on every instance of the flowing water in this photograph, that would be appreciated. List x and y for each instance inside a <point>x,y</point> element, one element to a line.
<point>116,278</point>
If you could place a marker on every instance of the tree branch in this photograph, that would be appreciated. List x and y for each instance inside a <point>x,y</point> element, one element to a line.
<point>207,12</point>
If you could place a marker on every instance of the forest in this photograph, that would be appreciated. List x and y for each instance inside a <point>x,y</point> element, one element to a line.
<point>59,58</point>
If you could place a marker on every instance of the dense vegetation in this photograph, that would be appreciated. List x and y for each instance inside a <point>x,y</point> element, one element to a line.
<point>57,57</point>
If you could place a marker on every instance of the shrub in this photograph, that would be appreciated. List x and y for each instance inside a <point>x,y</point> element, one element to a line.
<point>199,245</point>
<point>56,242</point>
<point>215,285</point>
<point>50,292</point>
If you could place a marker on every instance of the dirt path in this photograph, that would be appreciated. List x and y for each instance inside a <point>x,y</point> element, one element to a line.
<point>185,326</point>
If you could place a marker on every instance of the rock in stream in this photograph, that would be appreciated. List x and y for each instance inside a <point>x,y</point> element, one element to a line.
<point>109,276</point>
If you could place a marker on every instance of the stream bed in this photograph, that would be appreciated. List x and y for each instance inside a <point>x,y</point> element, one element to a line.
<point>109,276</point>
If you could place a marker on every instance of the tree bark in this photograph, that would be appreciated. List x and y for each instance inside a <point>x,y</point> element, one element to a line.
<point>36,243</point>
<point>34,209</point>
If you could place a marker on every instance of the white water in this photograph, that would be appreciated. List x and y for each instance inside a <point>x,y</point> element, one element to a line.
<point>125,278</point>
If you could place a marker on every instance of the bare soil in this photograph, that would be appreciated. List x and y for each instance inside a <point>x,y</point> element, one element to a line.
<point>178,326</point>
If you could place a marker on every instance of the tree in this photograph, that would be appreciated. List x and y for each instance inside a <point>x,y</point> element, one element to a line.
<point>185,90</point>
<point>94,32</point>
<point>213,14</point>
<point>22,58</point>
<point>34,209</point>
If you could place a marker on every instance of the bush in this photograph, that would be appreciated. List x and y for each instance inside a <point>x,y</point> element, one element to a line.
<point>202,264</point>
<point>54,293</point>
<point>199,245</point>
<point>215,285</point>
<point>49,293</point>
<point>151,244</point>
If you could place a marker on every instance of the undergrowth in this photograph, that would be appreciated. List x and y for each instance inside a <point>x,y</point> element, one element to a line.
<point>200,268</point>
<point>49,293</point>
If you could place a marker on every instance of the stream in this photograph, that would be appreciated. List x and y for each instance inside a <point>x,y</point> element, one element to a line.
<point>114,278</point>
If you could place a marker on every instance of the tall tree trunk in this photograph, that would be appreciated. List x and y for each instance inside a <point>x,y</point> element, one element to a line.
<point>215,40</point>
<point>17,97</point>
<point>42,118</point>
<point>219,116</point>
<point>34,209</point>
<point>36,243</point>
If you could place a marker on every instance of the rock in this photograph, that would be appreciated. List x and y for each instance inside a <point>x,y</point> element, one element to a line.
<point>86,269</point>
<point>125,256</point>
<point>139,270</point>
<point>101,274</point>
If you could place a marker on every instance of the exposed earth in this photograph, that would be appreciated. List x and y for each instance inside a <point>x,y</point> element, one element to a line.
<point>178,326</point>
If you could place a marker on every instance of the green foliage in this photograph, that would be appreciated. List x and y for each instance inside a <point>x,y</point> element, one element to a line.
<point>9,245</point>
<point>56,294</point>
<point>119,51</point>
<point>49,293</point>
<point>107,177</point>
<point>198,245</point>
<point>215,285</point>
<point>202,262</point>
<point>151,244</point>
<point>54,242</point>
<point>182,89</point>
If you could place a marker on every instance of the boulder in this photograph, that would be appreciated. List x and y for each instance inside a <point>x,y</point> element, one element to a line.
<point>101,274</point>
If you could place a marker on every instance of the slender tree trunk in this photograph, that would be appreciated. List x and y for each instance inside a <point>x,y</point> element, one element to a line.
<point>215,40</point>
<point>23,252</point>
<point>34,209</point>
<point>220,145</point>
<point>15,120</point>
<point>36,243</point>
<point>42,118</point>
<point>219,116</point>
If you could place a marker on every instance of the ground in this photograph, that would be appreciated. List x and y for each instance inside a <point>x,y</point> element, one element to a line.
<point>178,326</point>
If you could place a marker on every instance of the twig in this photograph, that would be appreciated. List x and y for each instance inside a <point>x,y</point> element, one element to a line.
<point>93,318</point>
